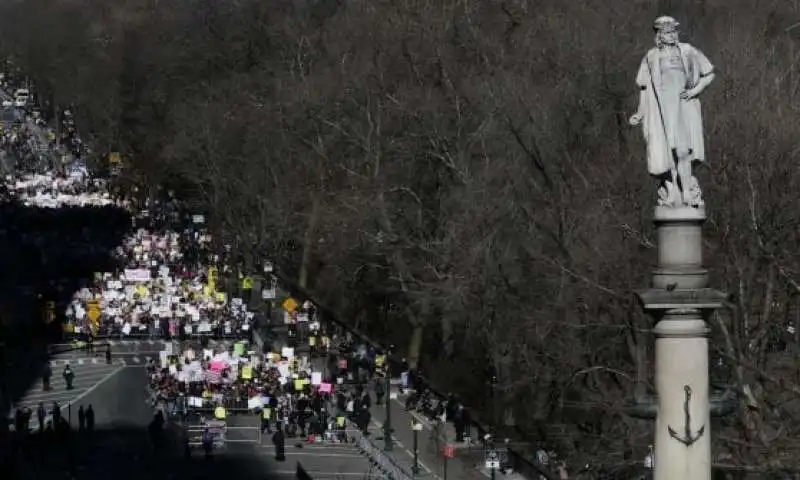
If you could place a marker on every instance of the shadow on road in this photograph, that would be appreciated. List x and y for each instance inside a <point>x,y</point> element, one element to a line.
<point>120,453</point>
<point>46,255</point>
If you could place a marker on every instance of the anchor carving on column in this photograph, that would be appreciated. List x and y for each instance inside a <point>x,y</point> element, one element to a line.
<point>688,438</point>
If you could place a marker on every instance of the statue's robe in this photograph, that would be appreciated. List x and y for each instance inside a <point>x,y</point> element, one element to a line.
<point>659,151</point>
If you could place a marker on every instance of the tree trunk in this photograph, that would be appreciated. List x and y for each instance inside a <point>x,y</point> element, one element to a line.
<point>415,344</point>
<point>308,240</point>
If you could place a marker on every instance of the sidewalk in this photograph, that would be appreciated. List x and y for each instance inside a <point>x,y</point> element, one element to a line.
<point>466,465</point>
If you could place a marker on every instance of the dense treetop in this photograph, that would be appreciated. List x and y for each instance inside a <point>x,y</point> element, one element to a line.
<point>469,165</point>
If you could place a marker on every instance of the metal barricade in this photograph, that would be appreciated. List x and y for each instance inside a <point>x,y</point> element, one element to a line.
<point>230,403</point>
<point>388,467</point>
<point>194,434</point>
<point>244,435</point>
<point>222,434</point>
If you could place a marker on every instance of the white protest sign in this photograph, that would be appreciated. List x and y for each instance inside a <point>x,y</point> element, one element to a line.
<point>137,274</point>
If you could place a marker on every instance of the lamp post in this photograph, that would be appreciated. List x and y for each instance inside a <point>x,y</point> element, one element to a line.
<point>416,427</point>
<point>388,444</point>
<point>490,446</point>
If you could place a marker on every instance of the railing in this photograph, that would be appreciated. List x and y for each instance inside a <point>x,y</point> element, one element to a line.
<point>222,435</point>
<point>231,404</point>
<point>388,466</point>
<point>157,334</point>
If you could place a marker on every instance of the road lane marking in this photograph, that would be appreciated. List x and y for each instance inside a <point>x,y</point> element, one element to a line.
<point>408,452</point>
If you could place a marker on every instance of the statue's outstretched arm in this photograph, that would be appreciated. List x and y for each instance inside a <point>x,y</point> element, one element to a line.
<point>636,118</point>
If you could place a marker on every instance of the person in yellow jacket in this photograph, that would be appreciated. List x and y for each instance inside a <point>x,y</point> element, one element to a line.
<point>247,289</point>
<point>266,420</point>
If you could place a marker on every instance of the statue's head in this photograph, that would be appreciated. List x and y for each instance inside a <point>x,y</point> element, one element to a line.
<point>666,29</point>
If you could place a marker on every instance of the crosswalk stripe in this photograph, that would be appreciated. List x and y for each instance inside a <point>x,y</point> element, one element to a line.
<point>80,361</point>
<point>94,361</point>
<point>136,360</point>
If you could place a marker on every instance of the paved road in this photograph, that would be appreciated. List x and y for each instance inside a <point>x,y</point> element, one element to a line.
<point>119,448</point>
<point>321,461</point>
<point>467,464</point>
<point>89,374</point>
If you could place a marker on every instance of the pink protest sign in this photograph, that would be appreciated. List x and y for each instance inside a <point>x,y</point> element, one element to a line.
<point>325,387</point>
<point>217,366</point>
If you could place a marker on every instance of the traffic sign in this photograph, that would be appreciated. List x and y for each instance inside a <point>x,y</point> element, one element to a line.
<point>93,310</point>
<point>290,304</point>
<point>449,451</point>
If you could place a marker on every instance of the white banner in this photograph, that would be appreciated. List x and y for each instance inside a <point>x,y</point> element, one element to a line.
<point>137,274</point>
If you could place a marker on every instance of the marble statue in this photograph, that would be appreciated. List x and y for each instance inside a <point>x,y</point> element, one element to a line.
<point>671,77</point>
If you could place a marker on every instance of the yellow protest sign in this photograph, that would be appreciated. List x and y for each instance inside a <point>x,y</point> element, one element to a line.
<point>114,158</point>
<point>290,304</point>
<point>220,297</point>
<point>247,372</point>
<point>312,341</point>
<point>299,384</point>
<point>93,310</point>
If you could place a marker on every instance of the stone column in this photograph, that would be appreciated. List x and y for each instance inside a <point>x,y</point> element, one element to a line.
<point>680,302</point>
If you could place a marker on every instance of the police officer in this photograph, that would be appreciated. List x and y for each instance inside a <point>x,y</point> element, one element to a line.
<point>69,376</point>
<point>266,417</point>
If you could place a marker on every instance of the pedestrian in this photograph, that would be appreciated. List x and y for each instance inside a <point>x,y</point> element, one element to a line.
<point>47,373</point>
<point>69,376</point>
<point>56,412</point>
<point>90,418</point>
<point>279,441</point>
<point>108,353</point>
<point>363,419</point>
<point>208,443</point>
<point>19,421</point>
<point>81,419</point>
<point>380,391</point>
<point>41,414</point>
